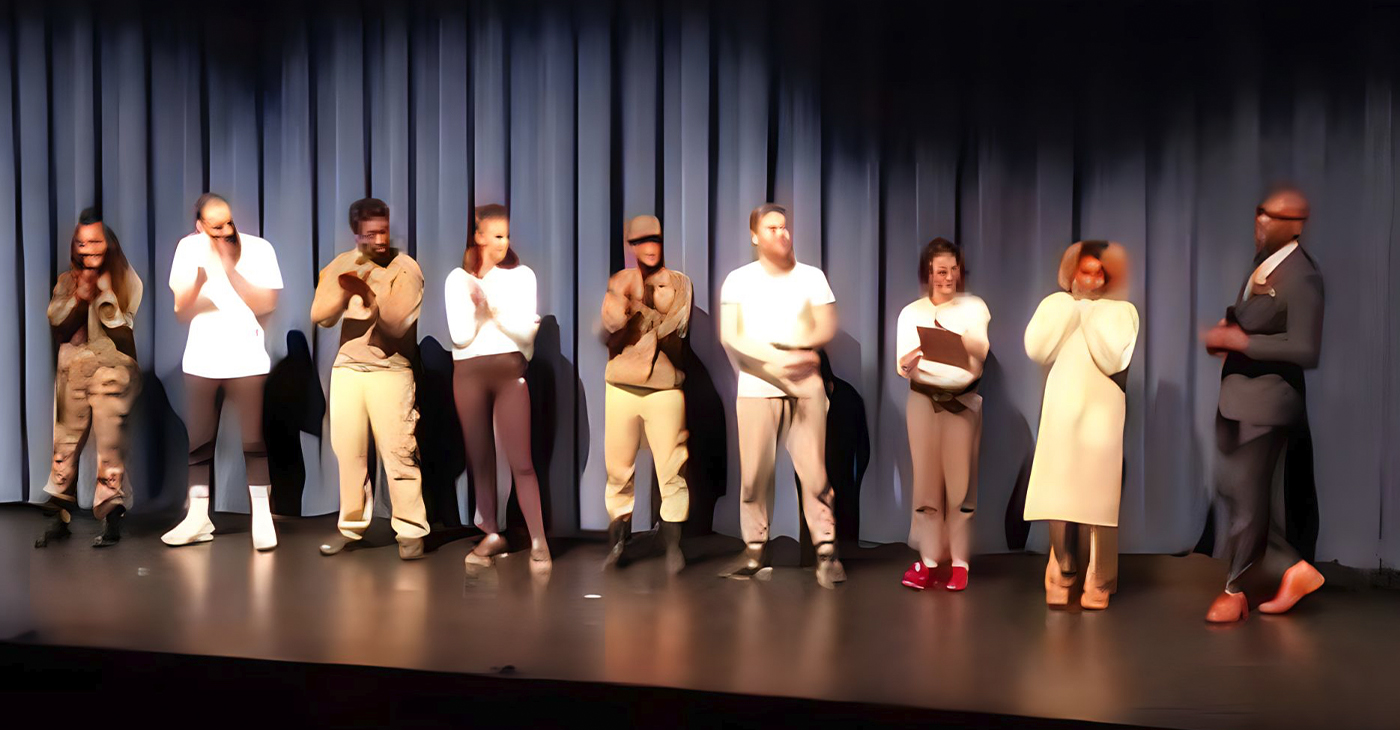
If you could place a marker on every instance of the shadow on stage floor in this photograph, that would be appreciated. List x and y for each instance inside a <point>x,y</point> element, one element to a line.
<point>147,633</point>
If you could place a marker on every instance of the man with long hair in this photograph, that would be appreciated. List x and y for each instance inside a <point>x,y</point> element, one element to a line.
<point>95,384</point>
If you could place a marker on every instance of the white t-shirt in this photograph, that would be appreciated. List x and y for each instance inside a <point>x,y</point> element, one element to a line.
<point>511,321</point>
<point>227,341</point>
<point>775,310</point>
<point>964,314</point>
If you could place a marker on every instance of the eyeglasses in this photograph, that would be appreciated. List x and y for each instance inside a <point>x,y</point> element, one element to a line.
<point>372,236</point>
<point>1277,216</point>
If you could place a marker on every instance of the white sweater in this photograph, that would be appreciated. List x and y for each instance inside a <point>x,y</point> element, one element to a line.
<point>506,323</point>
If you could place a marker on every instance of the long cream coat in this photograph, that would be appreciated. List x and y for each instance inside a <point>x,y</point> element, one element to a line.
<point>1077,475</point>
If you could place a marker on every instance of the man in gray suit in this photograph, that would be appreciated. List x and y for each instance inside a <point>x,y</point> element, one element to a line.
<point>1268,338</point>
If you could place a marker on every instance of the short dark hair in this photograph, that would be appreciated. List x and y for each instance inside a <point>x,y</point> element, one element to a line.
<point>762,210</point>
<point>205,201</point>
<point>366,208</point>
<point>471,258</point>
<point>938,247</point>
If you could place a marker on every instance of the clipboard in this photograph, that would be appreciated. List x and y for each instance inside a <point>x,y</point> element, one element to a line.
<point>944,346</point>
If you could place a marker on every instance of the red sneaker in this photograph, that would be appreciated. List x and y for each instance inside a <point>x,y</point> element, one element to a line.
<point>958,580</point>
<point>918,576</point>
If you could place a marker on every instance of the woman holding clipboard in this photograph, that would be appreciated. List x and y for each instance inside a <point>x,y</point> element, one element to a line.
<point>941,342</point>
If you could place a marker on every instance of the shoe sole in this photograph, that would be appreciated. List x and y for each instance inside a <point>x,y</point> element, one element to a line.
<point>202,538</point>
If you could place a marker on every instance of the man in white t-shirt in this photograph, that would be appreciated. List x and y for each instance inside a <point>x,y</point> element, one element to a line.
<point>775,314</point>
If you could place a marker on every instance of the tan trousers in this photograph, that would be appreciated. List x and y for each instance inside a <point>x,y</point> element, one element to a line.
<point>1067,552</point>
<point>943,447</point>
<point>382,400</point>
<point>629,412</point>
<point>801,424</point>
<point>89,397</point>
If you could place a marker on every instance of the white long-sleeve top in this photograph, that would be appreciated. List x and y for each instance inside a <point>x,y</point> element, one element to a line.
<point>506,323</point>
<point>965,315</point>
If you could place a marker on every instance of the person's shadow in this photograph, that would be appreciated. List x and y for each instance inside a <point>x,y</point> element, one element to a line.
<point>706,469</point>
<point>1004,460</point>
<point>847,454</point>
<point>292,404</point>
<point>441,453</point>
<point>543,374</point>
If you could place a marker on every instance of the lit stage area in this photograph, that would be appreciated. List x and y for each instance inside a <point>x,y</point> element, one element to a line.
<point>365,640</point>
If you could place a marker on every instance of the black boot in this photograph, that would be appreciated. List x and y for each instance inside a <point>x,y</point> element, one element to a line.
<point>618,532</point>
<point>111,529</point>
<point>57,529</point>
<point>751,564</point>
<point>671,539</point>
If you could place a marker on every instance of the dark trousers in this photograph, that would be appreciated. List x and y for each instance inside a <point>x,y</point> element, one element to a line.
<point>1247,455</point>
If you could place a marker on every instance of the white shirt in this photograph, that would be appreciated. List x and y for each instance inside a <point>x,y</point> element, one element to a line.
<point>774,309</point>
<point>1261,274</point>
<point>227,341</point>
<point>509,321</point>
<point>964,314</point>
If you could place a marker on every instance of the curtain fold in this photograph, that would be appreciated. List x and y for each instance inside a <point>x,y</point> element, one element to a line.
<point>1013,128</point>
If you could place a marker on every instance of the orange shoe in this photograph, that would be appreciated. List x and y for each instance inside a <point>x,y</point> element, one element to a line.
<point>1298,581</point>
<point>1093,600</point>
<point>1228,608</point>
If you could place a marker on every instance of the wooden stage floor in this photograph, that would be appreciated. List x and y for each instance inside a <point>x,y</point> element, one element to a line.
<point>638,647</point>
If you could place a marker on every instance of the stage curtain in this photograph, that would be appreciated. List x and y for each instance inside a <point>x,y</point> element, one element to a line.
<point>1013,128</point>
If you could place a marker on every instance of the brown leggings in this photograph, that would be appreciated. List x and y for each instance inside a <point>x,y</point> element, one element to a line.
<point>495,385</point>
<point>202,410</point>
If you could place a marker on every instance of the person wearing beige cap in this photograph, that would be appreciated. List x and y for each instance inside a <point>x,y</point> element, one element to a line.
<point>1085,334</point>
<point>1268,338</point>
<point>775,314</point>
<point>646,312</point>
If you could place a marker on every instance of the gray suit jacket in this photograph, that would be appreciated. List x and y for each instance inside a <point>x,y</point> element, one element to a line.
<point>1264,384</point>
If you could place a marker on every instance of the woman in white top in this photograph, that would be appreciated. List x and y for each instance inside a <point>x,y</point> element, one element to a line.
<point>1085,334</point>
<point>225,283</point>
<point>941,342</point>
<point>491,315</point>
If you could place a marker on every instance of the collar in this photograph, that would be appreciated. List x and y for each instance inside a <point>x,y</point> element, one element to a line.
<point>1265,269</point>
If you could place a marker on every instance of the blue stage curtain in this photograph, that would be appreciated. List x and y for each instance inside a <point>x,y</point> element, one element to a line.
<point>1013,128</point>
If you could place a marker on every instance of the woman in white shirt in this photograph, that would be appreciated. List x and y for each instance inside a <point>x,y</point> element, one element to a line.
<point>225,283</point>
<point>941,342</point>
<point>491,316</point>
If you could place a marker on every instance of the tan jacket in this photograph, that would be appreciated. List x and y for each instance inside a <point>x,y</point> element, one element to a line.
<point>645,348</point>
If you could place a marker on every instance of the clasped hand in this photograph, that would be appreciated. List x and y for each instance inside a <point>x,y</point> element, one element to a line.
<point>799,364</point>
<point>1224,338</point>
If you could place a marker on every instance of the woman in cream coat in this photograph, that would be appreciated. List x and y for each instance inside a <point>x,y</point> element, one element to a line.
<point>1085,334</point>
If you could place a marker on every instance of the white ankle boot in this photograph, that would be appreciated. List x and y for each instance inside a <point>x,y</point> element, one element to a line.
<point>196,526</point>
<point>264,533</point>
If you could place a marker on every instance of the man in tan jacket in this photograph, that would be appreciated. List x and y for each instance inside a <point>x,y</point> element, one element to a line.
<point>375,293</point>
<point>646,312</point>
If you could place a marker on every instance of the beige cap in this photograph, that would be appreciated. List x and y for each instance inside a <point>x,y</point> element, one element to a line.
<point>641,227</point>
